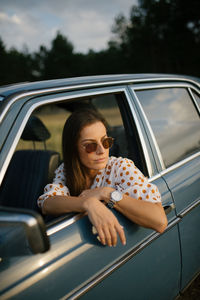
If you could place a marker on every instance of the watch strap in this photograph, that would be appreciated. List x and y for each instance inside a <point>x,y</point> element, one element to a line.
<point>110,204</point>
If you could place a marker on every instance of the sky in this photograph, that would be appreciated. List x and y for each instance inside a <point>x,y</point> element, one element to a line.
<point>86,23</point>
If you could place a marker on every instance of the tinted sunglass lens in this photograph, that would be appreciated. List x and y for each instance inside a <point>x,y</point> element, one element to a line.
<point>107,142</point>
<point>91,147</point>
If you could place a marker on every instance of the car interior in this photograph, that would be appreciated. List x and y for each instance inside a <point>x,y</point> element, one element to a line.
<point>30,170</point>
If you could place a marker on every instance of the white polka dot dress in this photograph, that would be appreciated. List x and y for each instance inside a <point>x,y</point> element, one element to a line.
<point>120,174</point>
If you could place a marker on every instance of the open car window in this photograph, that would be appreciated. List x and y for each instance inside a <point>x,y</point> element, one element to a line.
<point>39,150</point>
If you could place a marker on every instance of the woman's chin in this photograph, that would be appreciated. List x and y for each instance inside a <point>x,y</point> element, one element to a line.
<point>100,164</point>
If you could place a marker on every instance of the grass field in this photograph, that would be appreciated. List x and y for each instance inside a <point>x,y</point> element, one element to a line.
<point>55,121</point>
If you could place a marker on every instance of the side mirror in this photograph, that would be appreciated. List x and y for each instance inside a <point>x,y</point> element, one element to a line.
<point>22,232</point>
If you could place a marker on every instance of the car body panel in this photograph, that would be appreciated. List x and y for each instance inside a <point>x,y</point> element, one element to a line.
<point>134,279</point>
<point>75,245</point>
<point>185,186</point>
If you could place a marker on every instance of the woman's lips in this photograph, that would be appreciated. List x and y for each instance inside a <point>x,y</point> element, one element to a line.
<point>100,160</point>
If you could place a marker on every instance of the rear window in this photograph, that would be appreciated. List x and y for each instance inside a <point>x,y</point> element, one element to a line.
<point>174,120</point>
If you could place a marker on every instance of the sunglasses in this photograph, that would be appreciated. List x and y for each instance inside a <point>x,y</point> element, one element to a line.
<point>106,143</point>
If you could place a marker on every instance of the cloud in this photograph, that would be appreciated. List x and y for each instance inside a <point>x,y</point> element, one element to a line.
<point>88,29</point>
<point>86,23</point>
<point>12,20</point>
<point>21,29</point>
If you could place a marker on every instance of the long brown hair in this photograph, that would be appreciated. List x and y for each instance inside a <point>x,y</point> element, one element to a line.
<point>74,170</point>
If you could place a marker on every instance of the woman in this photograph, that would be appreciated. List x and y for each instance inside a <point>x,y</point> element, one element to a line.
<point>90,181</point>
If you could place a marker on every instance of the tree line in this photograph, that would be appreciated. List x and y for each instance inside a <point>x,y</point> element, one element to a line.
<point>159,36</point>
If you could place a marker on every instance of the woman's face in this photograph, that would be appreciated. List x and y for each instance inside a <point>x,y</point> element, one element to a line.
<point>94,133</point>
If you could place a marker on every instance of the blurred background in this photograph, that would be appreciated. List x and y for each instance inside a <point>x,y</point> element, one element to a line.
<point>65,38</point>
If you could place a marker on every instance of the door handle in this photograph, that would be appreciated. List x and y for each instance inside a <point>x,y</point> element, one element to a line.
<point>168,207</point>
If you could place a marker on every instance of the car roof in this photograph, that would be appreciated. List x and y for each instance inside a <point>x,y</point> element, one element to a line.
<point>76,82</point>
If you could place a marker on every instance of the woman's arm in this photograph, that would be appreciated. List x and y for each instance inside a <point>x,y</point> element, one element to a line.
<point>57,205</point>
<point>144,213</point>
<point>100,216</point>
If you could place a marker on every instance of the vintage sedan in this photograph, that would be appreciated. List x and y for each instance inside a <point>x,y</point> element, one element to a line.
<point>155,120</point>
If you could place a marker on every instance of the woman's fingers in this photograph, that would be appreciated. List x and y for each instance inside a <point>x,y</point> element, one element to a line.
<point>108,234</point>
<point>106,224</point>
<point>113,234</point>
<point>120,231</point>
<point>101,236</point>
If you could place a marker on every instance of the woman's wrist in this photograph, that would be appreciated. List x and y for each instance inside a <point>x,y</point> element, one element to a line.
<point>88,202</point>
<point>106,191</point>
<point>88,198</point>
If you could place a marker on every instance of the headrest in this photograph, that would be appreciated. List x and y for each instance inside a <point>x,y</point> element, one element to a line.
<point>35,130</point>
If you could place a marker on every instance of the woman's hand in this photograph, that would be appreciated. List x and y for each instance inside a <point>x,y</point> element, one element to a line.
<point>101,194</point>
<point>105,222</point>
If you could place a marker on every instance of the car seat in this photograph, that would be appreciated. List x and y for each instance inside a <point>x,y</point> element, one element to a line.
<point>120,146</point>
<point>29,170</point>
<point>125,147</point>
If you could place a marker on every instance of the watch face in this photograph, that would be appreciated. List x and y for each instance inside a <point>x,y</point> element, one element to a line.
<point>116,196</point>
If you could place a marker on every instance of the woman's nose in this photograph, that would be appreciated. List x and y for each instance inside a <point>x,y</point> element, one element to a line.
<point>100,149</point>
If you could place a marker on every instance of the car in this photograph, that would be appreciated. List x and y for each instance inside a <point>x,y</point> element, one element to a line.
<point>155,121</point>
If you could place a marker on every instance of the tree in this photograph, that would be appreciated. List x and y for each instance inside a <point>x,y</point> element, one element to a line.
<point>3,62</point>
<point>160,36</point>
<point>15,66</point>
<point>58,61</point>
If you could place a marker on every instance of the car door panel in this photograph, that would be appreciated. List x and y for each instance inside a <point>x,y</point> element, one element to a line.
<point>76,259</point>
<point>145,274</point>
<point>184,184</point>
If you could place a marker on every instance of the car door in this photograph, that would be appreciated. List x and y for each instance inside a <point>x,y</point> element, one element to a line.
<point>173,113</point>
<point>77,265</point>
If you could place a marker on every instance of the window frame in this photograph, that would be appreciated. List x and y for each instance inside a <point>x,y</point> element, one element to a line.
<point>156,149</point>
<point>194,98</point>
<point>39,100</point>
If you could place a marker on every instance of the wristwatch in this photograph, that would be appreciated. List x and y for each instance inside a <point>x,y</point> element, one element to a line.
<point>115,197</point>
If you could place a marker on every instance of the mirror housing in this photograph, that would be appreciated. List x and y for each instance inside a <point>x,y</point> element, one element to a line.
<point>22,232</point>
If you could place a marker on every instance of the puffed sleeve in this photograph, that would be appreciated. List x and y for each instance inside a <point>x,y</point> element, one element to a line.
<point>56,188</point>
<point>132,182</point>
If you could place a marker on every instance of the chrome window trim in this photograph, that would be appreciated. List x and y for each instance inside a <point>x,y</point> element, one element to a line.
<point>179,164</point>
<point>143,143</point>
<point>187,86</point>
<point>64,223</point>
<point>81,290</point>
<point>150,130</point>
<point>194,99</point>
<point>154,177</point>
<point>92,85</point>
<point>163,85</point>
<point>186,211</point>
